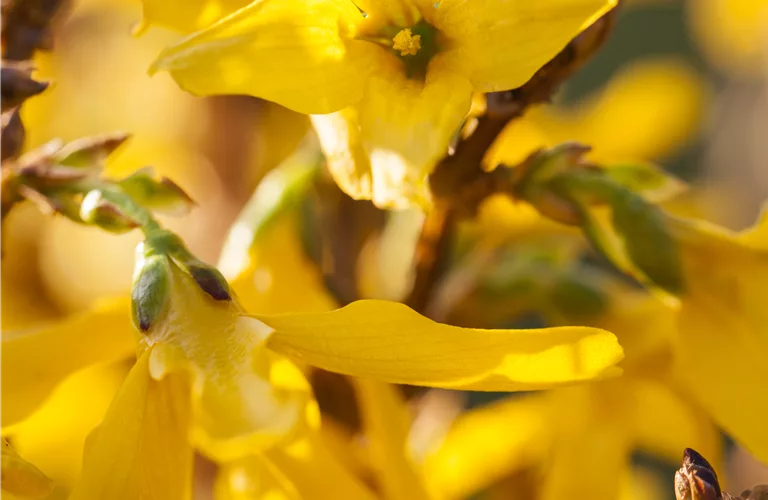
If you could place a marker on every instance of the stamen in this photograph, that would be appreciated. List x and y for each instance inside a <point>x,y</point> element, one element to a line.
<point>407,43</point>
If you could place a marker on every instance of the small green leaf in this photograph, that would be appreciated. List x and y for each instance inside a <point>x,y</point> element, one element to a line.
<point>161,195</point>
<point>648,180</point>
<point>89,152</point>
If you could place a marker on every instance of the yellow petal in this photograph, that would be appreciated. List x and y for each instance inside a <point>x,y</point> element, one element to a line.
<point>244,396</point>
<point>35,361</point>
<point>53,437</point>
<point>300,469</point>
<point>141,450</point>
<point>189,15</point>
<point>499,44</point>
<point>297,53</point>
<point>387,423</point>
<point>486,444</point>
<point>665,423</point>
<point>406,127</point>
<point>723,329</point>
<point>389,341</point>
<point>21,478</point>
<point>591,450</point>
<point>279,277</point>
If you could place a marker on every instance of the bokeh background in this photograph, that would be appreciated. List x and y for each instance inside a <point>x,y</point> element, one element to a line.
<point>683,83</point>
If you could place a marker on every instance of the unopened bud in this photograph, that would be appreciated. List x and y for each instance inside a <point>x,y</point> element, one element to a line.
<point>210,280</point>
<point>696,479</point>
<point>162,195</point>
<point>104,214</point>
<point>17,86</point>
<point>151,287</point>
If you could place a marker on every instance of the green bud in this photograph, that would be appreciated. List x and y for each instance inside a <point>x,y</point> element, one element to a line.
<point>100,212</point>
<point>162,195</point>
<point>151,287</point>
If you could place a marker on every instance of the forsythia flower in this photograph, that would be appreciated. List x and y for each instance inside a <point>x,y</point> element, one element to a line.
<point>388,86</point>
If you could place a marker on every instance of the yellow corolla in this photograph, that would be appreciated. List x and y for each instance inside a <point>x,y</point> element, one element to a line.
<point>583,452</point>
<point>21,479</point>
<point>212,377</point>
<point>389,82</point>
<point>723,327</point>
<point>645,112</point>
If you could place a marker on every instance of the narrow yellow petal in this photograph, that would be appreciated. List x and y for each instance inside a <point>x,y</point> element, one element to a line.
<point>53,437</point>
<point>21,478</point>
<point>35,361</point>
<point>406,127</point>
<point>499,44</point>
<point>301,469</point>
<point>723,329</point>
<point>297,53</point>
<point>188,15</point>
<point>390,342</point>
<point>141,450</point>
<point>486,444</point>
<point>387,422</point>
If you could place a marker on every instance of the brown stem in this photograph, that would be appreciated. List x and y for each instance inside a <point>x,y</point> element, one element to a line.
<point>459,182</point>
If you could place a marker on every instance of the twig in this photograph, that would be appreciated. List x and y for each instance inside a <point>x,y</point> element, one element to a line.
<point>459,183</point>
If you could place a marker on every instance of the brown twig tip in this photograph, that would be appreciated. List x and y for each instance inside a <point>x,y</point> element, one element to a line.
<point>17,86</point>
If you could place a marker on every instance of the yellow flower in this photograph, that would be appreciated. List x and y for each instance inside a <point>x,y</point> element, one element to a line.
<point>647,111</point>
<point>723,327</point>
<point>398,79</point>
<point>583,452</point>
<point>733,33</point>
<point>20,478</point>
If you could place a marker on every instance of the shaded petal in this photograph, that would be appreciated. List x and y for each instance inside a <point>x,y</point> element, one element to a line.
<point>53,437</point>
<point>591,451</point>
<point>244,396</point>
<point>188,15</point>
<point>723,329</point>
<point>141,450</point>
<point>500,44</point>
<point>300,469</point>
<point>297,53</point>
<point>35,361</point>
<point>387,423</point>
<point>21,478</point>
<point>389,341</point>
<point>406,127</point>
<point>665,423</point>
<point>486,444</point>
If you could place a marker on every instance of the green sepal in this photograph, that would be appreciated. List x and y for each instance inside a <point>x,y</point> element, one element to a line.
<point>151,290</point>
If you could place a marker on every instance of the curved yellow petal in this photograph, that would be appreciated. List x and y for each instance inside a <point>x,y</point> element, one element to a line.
<point>486,444</point>
<point>188,15</point>
<point>387,423</point>
<point>303,468</point>
<point>297,53</point>
<point>406,126</point>
<point>141,451</point>
<point>35,361</point>
<point>244,396</point>
<point>723,329</point>
<point>53,437</point>
<point>389,341</point>
<point>500,44</point>
<point>21,478</point>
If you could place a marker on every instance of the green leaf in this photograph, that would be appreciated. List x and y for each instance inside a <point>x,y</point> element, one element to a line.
<point>651,182</point>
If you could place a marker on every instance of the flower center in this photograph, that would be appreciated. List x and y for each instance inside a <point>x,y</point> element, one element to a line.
<point>407,43</point>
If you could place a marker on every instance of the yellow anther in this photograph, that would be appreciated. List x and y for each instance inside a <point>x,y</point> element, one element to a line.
<point>407,43</point>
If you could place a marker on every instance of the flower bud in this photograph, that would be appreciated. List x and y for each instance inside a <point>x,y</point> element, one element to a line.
<point>151,287</point>
<point>100,212</point>
<point>696,479</point>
